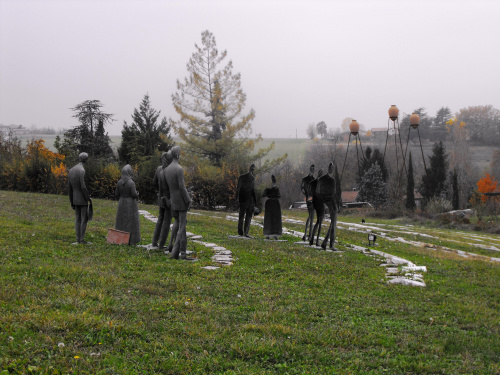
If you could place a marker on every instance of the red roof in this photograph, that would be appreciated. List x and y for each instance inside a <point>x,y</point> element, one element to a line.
<point>349,196</point>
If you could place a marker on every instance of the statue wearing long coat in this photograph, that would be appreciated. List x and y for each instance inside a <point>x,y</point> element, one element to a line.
<point>127,216</point>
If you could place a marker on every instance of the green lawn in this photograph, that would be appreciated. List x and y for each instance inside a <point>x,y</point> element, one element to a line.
<point>280,308</point>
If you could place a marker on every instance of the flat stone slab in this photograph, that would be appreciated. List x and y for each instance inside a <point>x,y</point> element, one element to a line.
<point>196,237</point>
<point>240,237</point>
<point>302,243</point>
<point>224,252</point>
<point>272,240</point>
<point>210,268</point>
<point>219,248</point>
<point>222,258</point>
<point>415,268</point>
<point>403,281</point>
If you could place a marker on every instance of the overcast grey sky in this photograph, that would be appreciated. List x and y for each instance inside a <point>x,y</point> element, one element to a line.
<point>300,61</point>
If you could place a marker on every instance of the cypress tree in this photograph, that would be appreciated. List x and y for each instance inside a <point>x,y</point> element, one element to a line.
<point>410,187</point>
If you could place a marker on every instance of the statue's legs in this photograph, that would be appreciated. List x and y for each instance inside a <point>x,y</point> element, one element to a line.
<point>165,227</point>
<point>181,239</point>
<point>81,219</point>
<point>330,234</point>
<point>248,217</point>
<point>309,221</point>
<point>158,227</point>
<point>241,218</point>
<point>333,218</point>
<point>173,236</point>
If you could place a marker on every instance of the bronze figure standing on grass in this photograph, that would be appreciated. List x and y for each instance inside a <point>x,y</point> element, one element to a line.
<point>319,207</point>
<point>79,197</point>
<point>127,215</point>
<point>180,202</point>
<point>306,190</point>
<point>327,194</point>
<point>272,216</point>
<point>164,215</point>
<point>245,195</point>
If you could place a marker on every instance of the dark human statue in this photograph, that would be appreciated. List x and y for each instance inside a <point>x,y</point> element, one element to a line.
<point>319,207</point>
<point>245,195</point>
<point>79,197</point>
<point>180,202</point>
<point>306,190</point>
<point>325,190</point>
<point>272,216</point>
<point>127,215</point>
<point>164,215</point>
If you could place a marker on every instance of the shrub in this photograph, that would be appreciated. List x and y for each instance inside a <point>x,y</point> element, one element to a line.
<point>213,186</point>
<point>438,205</point>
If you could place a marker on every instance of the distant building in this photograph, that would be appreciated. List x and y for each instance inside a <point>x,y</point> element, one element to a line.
<point>14,130</point>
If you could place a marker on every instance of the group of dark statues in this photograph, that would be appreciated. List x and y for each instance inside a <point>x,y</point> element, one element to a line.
<point>320,192</point>
<point>174,201</point>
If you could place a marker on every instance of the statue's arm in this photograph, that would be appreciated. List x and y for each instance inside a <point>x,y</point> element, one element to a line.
<point>303,187</point>
<point>83,187</point>
<point>238,187</point>
<point>70,192</point>
<point>133,191</point>
<point>182,186</point>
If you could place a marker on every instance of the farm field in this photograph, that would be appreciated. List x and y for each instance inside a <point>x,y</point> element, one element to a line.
<point>281,307</point>
<point>296,149</point>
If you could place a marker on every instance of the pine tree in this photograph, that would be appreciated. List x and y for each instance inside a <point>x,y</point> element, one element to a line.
<point>210,104</point>
<point>410,187</point>
<point>145,135</point>
<point>434,179</point>
<point>90,136</point>
<point>373,188</point>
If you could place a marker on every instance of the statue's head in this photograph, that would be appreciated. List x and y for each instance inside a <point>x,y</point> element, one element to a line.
<point>176,152</point>
<point>330,168</point>
<point>169,157</point>
<point>311,168</point>
<point>273,179</point>
<point>252,168</point>
<point>164,159</point>
<point>83,157</point>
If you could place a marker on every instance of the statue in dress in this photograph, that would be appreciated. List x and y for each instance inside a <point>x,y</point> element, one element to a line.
<point>79,197</point>
<point>245,195</point>
<point>306,190</point>
<point>127,215</point>
<point>164,215</point>
<point>327,194</point>
<point>272,216</point>
<point>319,207</point>
<point>180,202</point>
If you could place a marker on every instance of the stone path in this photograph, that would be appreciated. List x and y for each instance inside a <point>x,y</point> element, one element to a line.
<point>222,255</point>
<point>398,270</point>
<point>368,228</point>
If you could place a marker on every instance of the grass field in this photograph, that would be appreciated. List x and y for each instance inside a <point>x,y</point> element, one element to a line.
<point>280,308</point>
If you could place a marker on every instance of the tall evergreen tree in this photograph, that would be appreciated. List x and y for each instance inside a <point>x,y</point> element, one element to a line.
<point>372,157</point>
<point>210,104</point>
<point>373,188</point>
<point>90,136</point>
<point>434,179</point>
<point>145,135</point>
<point>410,187</point>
